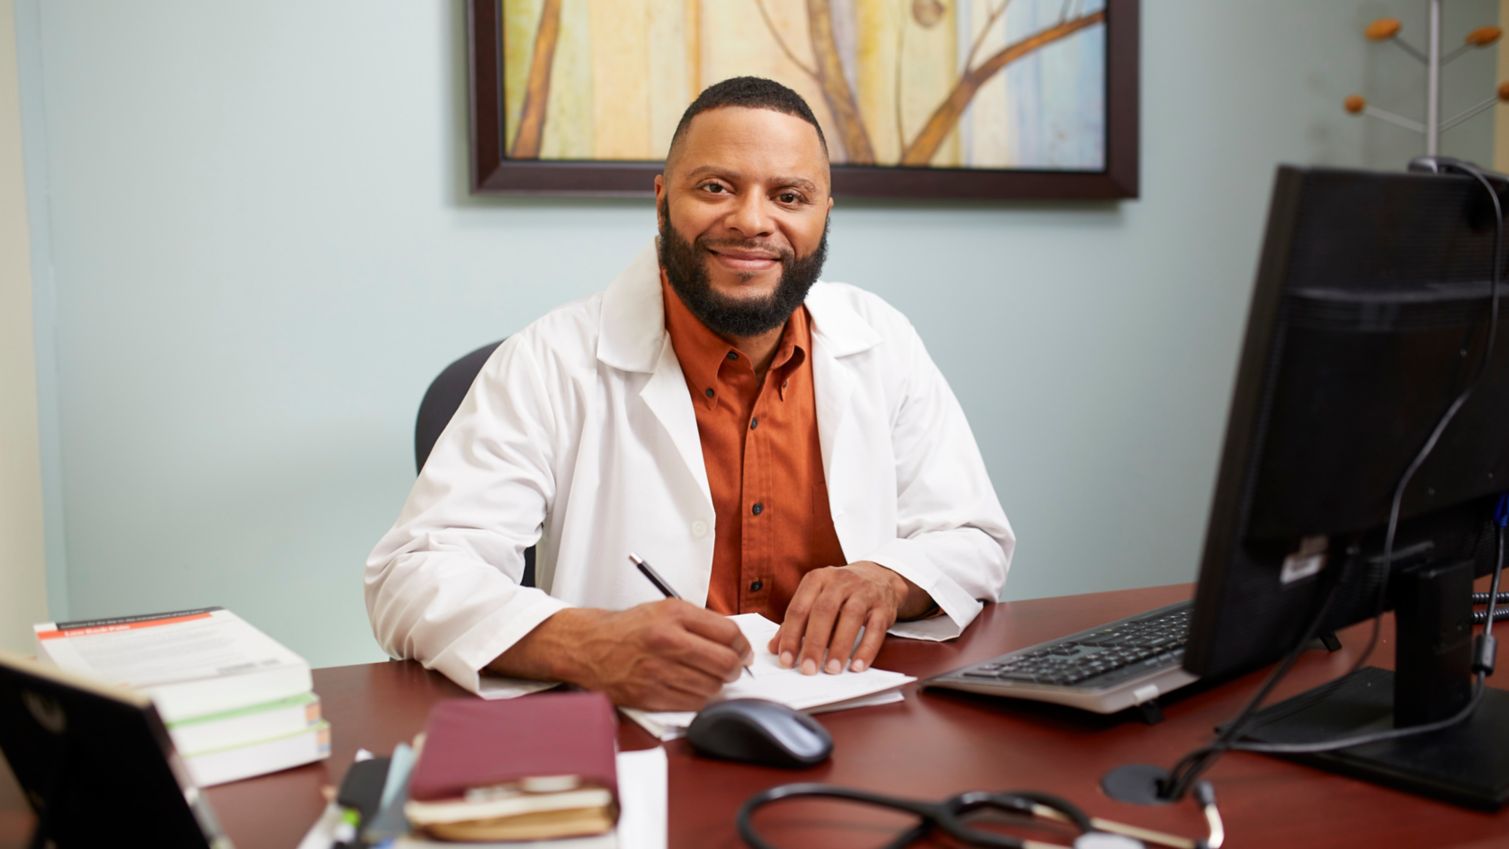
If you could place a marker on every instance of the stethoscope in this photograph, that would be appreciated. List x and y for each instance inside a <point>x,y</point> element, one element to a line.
<point>951,816</point>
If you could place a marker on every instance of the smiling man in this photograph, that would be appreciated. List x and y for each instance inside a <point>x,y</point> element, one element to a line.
<point>771,443</point>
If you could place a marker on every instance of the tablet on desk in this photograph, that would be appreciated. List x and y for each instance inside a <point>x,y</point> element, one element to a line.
<point>95,762</point>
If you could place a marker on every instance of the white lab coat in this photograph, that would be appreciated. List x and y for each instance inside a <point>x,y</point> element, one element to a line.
<point>579,436</point>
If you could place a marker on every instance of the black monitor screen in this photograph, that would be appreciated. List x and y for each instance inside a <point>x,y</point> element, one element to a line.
<point>96,763</point>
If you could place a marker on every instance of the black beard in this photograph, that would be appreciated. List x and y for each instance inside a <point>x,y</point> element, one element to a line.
<point>685,267</point>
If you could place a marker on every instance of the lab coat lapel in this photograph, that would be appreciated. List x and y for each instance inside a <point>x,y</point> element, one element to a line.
<point>669,400</point>
<point>831,386</point>
<point>837,334</point>
<point>634,339</point>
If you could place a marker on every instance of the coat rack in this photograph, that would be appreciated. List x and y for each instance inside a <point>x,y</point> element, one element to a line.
<point>1388,29</point>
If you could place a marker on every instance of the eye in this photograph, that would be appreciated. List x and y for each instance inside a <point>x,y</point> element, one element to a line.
<point>790,198</point>
<point>713,187</point>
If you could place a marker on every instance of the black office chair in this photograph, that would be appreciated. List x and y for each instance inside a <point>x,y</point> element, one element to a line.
<point>440,402</point>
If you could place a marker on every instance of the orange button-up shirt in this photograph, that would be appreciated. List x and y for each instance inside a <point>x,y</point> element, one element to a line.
<point>764,462</point>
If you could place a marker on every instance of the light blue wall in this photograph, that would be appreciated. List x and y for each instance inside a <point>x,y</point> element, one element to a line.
<point>259,249</point>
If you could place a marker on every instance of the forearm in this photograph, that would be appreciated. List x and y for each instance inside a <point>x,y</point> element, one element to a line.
<point>665,655</point>
<point>554,650</point>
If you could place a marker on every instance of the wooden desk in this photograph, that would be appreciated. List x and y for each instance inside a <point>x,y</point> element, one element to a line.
<point>931,745</point>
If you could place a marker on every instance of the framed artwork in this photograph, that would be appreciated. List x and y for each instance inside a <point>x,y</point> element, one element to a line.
<point>917,98</point>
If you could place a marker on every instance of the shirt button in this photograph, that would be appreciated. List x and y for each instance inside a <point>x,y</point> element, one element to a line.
<point>757,509</point>
<point>699,529</point>
<point>756,586</point>
<point>754,422</point>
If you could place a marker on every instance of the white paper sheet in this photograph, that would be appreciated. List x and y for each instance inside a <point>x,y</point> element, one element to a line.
<point>497,687</point>
<point>810,693</point>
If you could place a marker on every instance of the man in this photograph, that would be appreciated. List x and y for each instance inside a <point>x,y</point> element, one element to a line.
<point>769,443</point>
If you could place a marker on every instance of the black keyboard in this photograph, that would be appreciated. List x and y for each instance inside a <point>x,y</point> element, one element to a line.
<point>1105,669</point>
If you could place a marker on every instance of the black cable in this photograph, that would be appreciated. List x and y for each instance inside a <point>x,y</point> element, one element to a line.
<point>1484,648</point>
<point>1380,573</point>
<point>1197,762</point>
<point>1191,766</point>
<point>1493,594</point>
<point>1480,617</point>
<point>1376,737</point>
<point>1482,666</point>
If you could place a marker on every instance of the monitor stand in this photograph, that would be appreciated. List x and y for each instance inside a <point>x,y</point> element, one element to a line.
<point>1466,764</point>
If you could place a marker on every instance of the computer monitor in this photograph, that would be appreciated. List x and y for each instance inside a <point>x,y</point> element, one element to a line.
<point>1369,317</point>
<point>96,763</point>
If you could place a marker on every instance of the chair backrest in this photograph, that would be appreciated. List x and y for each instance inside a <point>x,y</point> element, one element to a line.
<point>440,403</point>
<point>443,398</point>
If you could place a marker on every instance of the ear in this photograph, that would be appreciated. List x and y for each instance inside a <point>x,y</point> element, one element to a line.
<point>659,189</point>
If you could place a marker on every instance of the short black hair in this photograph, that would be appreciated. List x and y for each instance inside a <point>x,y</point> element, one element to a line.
<point>751,93</point>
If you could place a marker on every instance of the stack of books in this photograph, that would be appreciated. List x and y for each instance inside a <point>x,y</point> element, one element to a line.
<point>236,702</point>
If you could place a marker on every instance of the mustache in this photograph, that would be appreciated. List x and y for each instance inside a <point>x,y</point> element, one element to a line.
<point>785,253</point>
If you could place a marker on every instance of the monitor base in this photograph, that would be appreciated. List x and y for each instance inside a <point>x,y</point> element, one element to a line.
<point>1465,764</point>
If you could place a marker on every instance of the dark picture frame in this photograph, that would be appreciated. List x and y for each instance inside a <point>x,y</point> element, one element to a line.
<point>493,172</point>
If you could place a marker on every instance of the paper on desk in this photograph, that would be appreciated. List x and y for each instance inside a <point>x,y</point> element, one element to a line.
<point>641,819</point>
<point>936,629</point>
<point>642,813</point>
<point>498,687</point>
<point>811,693</point>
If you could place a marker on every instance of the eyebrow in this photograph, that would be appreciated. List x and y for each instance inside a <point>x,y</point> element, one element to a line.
<point>714,171</point>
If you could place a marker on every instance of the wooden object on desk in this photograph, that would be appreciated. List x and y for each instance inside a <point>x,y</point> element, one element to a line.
<point>930,746</point>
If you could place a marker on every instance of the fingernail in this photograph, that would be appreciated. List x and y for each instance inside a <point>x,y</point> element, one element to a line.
<point>787,660</point>
<point>809,667</point>
<point>834,666</point>
<point>858,665</point>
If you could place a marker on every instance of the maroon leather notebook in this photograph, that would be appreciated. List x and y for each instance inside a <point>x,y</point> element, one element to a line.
<point>469,743</point>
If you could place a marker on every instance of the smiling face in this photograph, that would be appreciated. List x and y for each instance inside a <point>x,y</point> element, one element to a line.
<point>743,209</point>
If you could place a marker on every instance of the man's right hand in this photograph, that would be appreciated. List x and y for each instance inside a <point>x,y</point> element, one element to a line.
<point>665,655</point>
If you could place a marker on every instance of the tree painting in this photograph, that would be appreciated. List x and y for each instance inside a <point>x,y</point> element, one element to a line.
<point>941,83</point>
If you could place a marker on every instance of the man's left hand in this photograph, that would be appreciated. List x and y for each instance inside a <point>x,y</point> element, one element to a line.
<point>829,608</point>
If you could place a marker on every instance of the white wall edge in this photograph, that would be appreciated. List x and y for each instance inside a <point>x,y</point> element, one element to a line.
<point>29,62</point>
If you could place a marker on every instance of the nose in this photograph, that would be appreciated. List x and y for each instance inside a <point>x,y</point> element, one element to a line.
<point>749,217</point>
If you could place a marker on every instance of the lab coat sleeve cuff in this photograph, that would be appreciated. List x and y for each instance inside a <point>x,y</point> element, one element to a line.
<point>464,660</point>
<point>957,608</point>
<point>937,628</point>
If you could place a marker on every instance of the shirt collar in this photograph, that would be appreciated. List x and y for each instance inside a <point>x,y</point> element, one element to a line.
<point>702,353</point>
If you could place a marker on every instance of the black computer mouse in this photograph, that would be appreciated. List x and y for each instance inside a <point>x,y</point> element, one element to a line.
<point>760,732</point>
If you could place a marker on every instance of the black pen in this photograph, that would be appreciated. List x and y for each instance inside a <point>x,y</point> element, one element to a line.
<point>665,589</point>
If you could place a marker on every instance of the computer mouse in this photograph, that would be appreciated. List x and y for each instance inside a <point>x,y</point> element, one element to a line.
<point>759,732</point>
